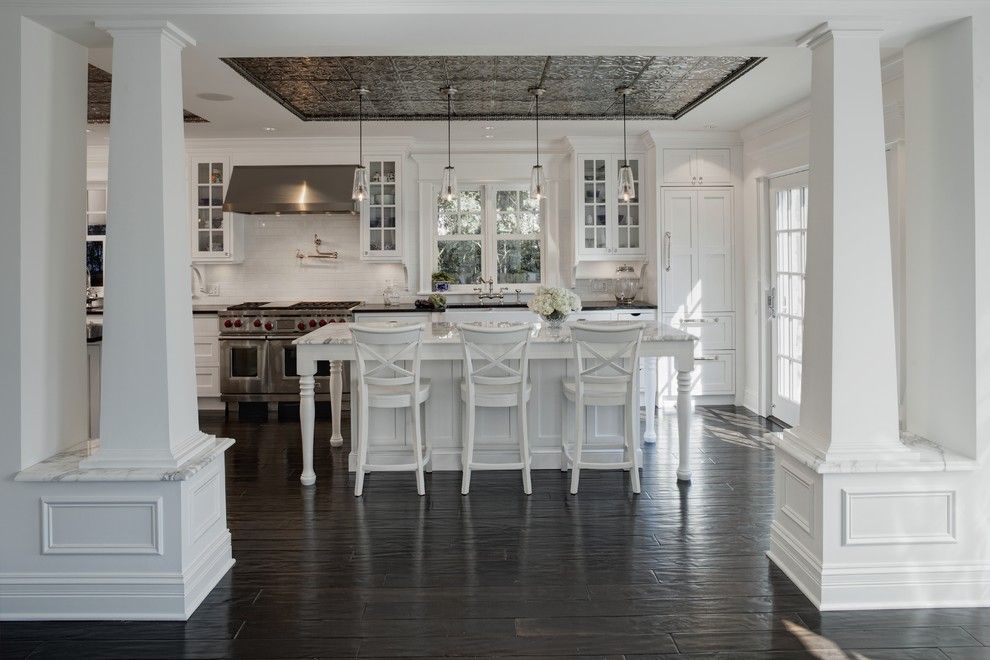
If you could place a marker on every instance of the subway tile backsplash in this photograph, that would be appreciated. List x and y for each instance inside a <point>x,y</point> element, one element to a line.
<point>271,271</point>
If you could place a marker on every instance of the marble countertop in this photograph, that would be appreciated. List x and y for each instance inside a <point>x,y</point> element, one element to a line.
<point>447,333</point>
<point>587,306</point>
<point>64,466</point>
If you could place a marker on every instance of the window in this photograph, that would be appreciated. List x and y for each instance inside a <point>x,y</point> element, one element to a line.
<point>490,231</point>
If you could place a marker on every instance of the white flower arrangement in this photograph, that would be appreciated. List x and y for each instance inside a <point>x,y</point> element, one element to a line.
<point>553,300</point>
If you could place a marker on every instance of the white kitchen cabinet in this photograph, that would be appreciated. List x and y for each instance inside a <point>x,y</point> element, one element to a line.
<point>217,237</point>
<point>696,250</point>
<point>381,213</point>
<point>714,331</point>
<point>697,167</point>
<point>206,346</point>
<point>607,228</point>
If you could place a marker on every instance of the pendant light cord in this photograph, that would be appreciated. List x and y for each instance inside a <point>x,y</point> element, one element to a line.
<point>625,153</point>
<point>448,128</point>
<point>360,129</point>
<point>537,130</point>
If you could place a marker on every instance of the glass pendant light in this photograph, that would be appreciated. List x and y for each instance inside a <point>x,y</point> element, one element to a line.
<point>448,184</point>
<point>359,191</point>
<point>537,179</point>
<point>627,185</point>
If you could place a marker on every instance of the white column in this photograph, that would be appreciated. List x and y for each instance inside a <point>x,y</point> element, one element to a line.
<point>849,382</point>
<point>149,412</point>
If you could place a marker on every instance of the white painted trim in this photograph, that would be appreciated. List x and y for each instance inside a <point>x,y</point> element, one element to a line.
<point>784,117</point>
<point>165,596</point>
<point>851,495</point>
<point>875,586</point>
<point>797,517</point>
<point>48,533</point>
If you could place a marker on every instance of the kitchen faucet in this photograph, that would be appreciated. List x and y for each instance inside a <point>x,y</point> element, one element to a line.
<point>491,294</point>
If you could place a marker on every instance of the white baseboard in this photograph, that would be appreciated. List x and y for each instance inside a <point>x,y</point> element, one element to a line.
<point>115,596</point>
<point>877,586</point>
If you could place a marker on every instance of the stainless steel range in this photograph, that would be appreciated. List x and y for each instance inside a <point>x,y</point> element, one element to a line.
<point>257,358</point>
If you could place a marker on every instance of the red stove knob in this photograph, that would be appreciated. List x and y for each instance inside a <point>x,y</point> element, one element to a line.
<point>228,323</point>
<point>322,322</point>
<point>257,323</point>
<point>312,323</point>
<point>301,325</point>
<point>269,326</point>
<point>238,323</point>
<point>333,320</point>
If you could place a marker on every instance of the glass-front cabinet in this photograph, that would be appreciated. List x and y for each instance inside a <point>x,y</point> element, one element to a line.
<point>381,215</point>
<point>607,227</point>
<point>214,238</point>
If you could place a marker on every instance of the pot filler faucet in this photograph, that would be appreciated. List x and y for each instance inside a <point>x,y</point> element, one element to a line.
<point>491,294</point>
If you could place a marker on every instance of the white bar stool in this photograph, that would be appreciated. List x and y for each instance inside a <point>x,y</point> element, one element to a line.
<point>496,375</point>
<point>606,360</point>
<point>383,382</point>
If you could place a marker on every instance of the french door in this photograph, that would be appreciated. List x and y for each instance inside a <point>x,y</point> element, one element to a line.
<point>788,234</point>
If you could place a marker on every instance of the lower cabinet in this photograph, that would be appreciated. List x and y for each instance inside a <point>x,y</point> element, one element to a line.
<point>206,345</point>
<point>714,374</point>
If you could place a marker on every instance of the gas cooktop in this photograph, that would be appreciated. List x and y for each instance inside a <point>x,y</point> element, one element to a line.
<point>295,305</point>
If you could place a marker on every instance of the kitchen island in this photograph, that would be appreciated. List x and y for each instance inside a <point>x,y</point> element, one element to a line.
<point>550,353</point>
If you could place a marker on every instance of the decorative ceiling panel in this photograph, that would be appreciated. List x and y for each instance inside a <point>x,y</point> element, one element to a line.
<point>98,108</point>
<point>409,87</point>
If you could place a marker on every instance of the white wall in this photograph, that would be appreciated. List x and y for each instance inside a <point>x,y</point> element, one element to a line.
<point>942,341</point>
<point>271,270</point>
<point>52,242</point>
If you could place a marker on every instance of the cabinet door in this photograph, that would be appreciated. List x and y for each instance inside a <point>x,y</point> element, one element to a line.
<point>628,228</point>
<point>713,292</point>
<point>678,251</point>
<point>593,196</point>
<point>678,167</point>
<point>381,213</point>
<point>713,167</point>
<point>211,226</point>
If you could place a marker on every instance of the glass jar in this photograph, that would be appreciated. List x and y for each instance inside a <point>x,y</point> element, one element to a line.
<point>626,284</point>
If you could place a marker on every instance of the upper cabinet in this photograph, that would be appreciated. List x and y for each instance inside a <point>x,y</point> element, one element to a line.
<point>697,167</point>
<point>216,236</point>
<point>605,226</point>
<point>381,212</point>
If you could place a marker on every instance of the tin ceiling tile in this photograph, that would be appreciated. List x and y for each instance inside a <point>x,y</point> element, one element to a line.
<point>99,84</point>
<point>488,86</point>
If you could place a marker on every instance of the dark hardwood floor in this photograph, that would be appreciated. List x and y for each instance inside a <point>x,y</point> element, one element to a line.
<point>677,570</point>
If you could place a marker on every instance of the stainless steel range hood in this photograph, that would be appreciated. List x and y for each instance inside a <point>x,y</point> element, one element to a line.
<point>291,189</point>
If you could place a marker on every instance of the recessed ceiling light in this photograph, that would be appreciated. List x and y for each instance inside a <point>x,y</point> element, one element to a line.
<point>269,129</point>
<point>489,136</point>
<point>710,126</point>
<point>489,128</point>
<point>210,96</point>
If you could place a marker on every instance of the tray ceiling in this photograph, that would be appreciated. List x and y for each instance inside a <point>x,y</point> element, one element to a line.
<point>408,88</point>
<point>98,106</point>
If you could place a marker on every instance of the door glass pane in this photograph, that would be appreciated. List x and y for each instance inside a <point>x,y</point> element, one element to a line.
<point>789,229</point>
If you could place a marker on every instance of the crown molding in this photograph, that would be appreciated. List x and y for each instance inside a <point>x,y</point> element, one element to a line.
<point>823,32</point>
<point>124,27</point>
<point>783,117</point>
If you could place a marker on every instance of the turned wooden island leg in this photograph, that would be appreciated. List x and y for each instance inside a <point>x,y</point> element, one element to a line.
<point>307,418</point>
<point>336,397</point>
<point>685,406</point>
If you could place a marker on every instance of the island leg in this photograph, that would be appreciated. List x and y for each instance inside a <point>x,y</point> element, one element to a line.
<point>307,417</point>
<point>650,383</point>
<point>685,408</point>
<point>336,395</point>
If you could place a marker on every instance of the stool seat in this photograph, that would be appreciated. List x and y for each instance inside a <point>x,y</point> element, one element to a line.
<point>495,396</point>
<point>397,396</point>
<point>598,394</point>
